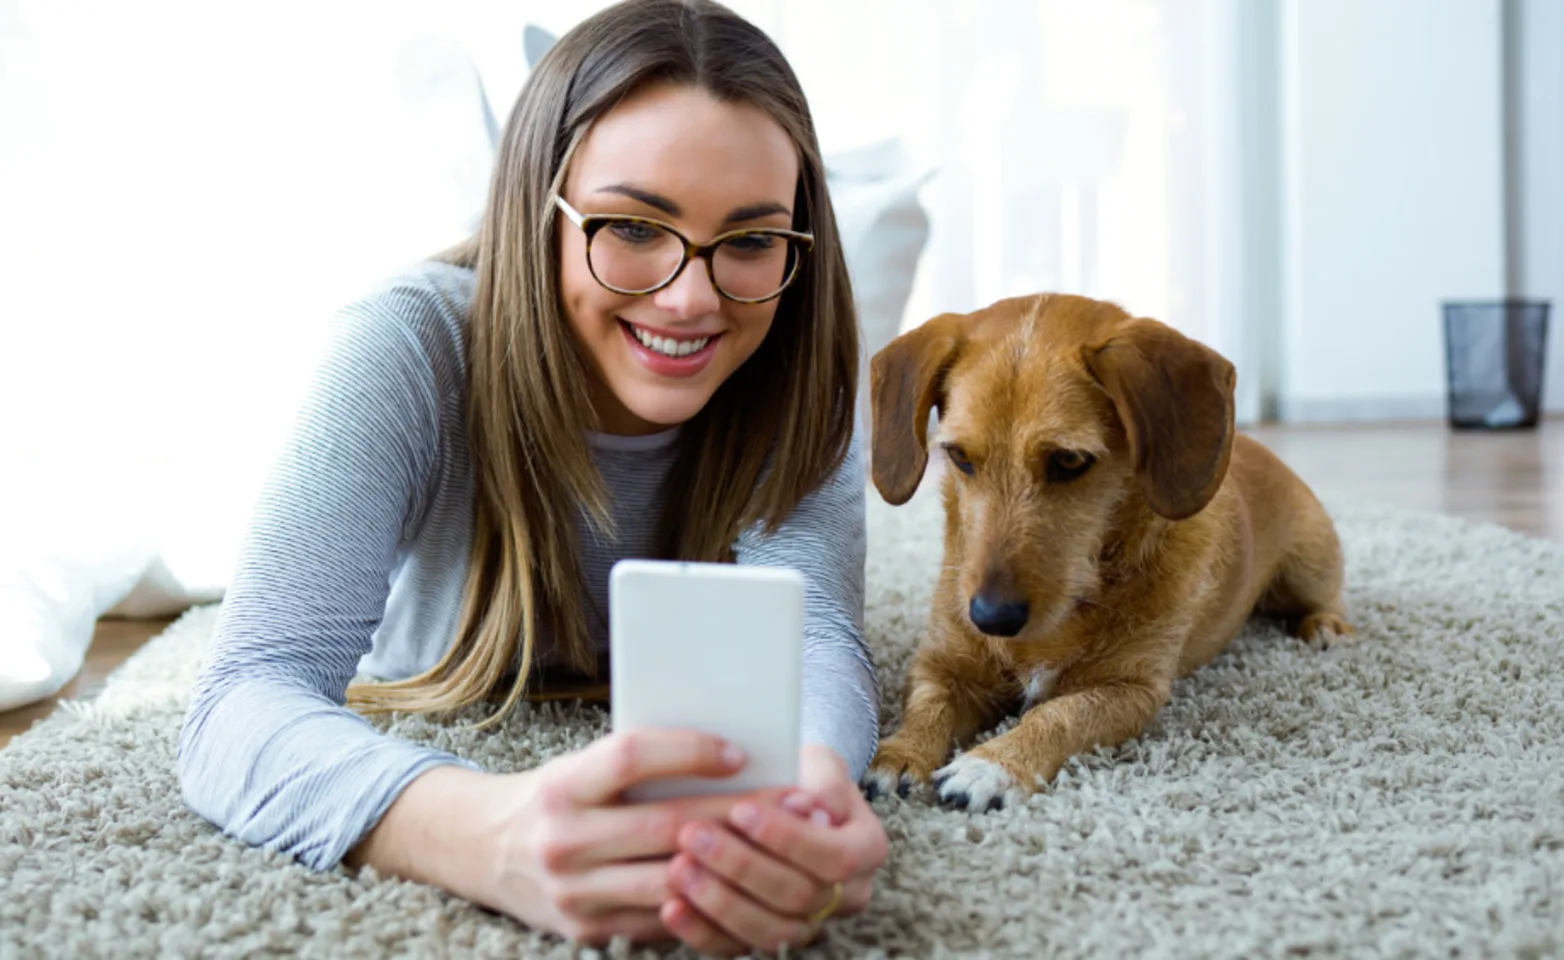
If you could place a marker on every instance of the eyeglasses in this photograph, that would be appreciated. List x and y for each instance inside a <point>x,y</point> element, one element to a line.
<point>639,255</point>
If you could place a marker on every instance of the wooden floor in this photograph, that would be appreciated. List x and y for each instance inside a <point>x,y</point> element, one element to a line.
<point>1515,479</point>
<point>112,642</point>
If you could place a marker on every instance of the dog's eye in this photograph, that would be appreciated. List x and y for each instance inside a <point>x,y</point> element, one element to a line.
<point>1066,465</point>
<point>959,458</point>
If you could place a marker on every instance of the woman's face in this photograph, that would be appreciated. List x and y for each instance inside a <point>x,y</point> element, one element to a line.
<point>704,167</point>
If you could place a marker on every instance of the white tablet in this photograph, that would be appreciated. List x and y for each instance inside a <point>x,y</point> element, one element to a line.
<point>714,647</point>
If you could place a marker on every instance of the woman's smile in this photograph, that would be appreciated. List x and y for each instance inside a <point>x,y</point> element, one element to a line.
<point>667,353</point>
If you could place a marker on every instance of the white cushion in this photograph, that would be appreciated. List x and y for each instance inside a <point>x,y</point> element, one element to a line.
<point>884,230</point>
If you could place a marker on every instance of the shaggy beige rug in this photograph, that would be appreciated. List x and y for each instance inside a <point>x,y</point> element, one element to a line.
<point>1402,795</point>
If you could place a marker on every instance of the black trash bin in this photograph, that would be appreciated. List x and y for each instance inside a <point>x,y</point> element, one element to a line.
<point>1495,352</point>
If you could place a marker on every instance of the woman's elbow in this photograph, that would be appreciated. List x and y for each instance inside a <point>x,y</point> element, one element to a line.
<point>196,760</point>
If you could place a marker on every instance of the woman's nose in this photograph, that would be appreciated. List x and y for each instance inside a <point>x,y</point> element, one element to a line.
<point>691,294</point>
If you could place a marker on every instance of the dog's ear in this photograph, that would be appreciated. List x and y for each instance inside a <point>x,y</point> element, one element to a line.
<point>906,380</point>
<point>1175,399</point>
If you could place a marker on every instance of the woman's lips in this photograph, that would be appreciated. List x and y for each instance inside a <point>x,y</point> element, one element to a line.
<point>658,361</point>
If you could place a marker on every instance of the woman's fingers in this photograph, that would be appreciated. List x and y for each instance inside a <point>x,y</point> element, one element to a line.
<point>616,888</point>
<point>734,913</point>
<point>639,926</point>
<point>827,854</point>
<point>856,895</point>
<point>603,835</point>
<point>808,805</point>
<point>827,784</point>
<point>611,765</point>
<point>759,874</point>
<point>685,922</point>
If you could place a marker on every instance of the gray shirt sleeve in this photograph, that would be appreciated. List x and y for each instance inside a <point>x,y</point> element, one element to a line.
<point>268,752</point>
<point>826,540</point>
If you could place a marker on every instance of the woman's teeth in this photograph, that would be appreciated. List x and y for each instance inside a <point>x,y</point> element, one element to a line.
<point>667,346</point>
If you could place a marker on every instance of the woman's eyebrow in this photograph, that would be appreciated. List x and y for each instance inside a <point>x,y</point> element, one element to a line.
<point>644,196</point>
<point>753,211</point>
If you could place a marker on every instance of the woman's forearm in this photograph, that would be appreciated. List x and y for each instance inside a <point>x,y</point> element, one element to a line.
<point>441,831</point>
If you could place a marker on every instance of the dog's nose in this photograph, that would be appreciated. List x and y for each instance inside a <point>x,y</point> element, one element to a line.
<point>997,616</point>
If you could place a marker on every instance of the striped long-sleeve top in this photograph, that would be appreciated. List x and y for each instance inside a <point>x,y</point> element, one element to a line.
<point>357,556</point>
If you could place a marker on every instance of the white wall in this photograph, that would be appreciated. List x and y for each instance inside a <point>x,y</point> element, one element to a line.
<point>1536,201</point>
<point>1392,196</point>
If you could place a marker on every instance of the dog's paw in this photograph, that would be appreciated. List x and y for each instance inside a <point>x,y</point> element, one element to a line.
<point>1324,628</point>
<point>883,783</point>
<point>973,783</point>
<point>896,768</point>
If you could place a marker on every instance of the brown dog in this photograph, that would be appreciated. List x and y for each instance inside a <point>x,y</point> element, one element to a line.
<point>1105,532</point>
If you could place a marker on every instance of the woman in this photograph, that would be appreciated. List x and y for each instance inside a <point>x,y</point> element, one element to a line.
<point>648,349</point>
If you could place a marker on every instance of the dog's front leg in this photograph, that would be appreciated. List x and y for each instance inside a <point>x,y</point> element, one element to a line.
<point>1016,763</point>
<point>946,705</point>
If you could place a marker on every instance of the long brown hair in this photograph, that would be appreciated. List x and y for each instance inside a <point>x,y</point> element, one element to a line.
<point>772,432</point>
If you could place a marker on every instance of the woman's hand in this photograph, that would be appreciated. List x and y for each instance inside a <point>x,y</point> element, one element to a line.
<point>572,860</point>
<point>754,880</point>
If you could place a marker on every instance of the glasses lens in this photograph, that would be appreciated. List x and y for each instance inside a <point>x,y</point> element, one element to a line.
<point>634,256</point>
<point>754,266</point>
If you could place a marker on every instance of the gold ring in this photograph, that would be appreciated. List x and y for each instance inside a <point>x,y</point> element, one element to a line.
<point>819,916</point>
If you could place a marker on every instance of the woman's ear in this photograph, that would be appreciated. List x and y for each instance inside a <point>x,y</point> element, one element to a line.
<point>1174,396</point>
<point>906,381</point>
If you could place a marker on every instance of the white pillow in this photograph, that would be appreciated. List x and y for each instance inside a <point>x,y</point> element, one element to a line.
<point>60,570</point>
<point>884,230</point>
